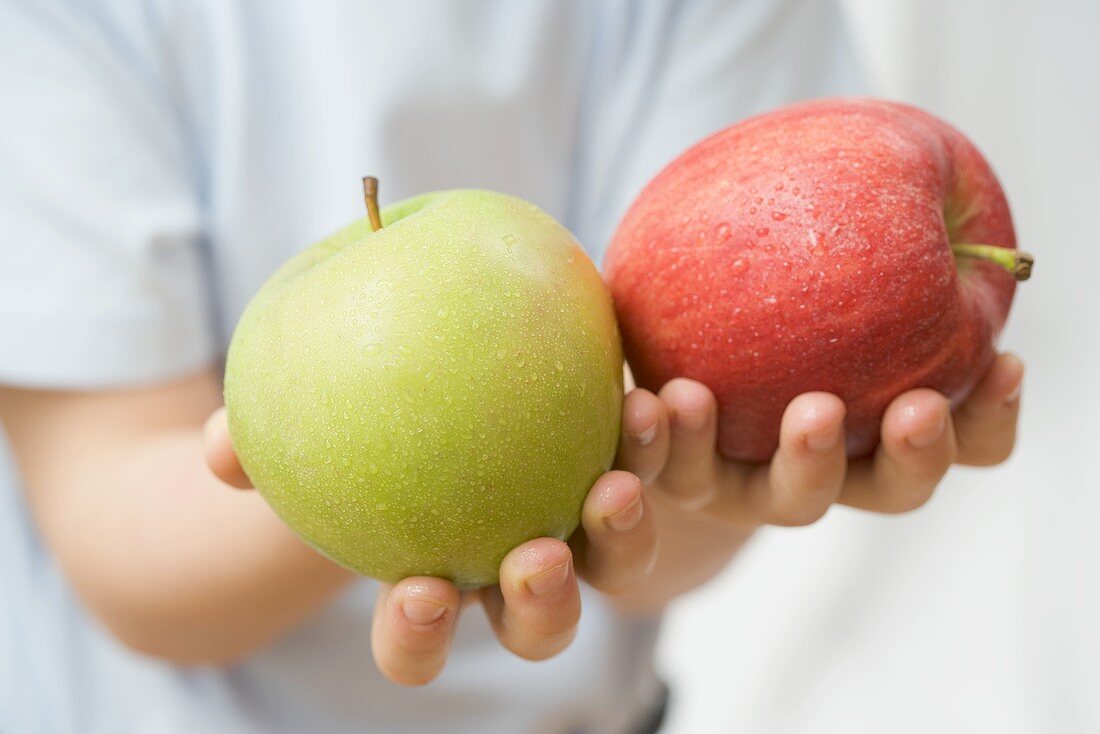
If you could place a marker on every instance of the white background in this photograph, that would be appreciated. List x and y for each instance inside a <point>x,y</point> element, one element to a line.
<point>981,611</point>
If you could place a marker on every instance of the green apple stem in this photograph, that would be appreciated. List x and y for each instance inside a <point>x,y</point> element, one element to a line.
<point>1016,262</point>
<point>370,196</point>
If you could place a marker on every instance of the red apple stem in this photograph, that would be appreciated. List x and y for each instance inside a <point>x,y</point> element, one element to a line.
<point>370,197</point>
<point>1017,262</point>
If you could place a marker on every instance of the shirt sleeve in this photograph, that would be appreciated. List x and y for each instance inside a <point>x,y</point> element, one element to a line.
<point>673,73</point>
<point>103,280</point>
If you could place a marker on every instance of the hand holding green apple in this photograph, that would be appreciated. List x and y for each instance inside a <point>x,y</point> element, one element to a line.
<point>430,403</point>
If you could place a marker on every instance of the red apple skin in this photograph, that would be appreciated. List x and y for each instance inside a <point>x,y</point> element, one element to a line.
<point>810,249</point>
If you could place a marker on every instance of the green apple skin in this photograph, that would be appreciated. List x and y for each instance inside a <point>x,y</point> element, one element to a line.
<point>422,399</point>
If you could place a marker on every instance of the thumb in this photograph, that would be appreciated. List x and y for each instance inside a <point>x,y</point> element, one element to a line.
<point>219,454</point>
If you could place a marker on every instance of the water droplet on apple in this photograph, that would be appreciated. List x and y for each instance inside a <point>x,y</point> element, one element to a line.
<point>509,240</point>
<point>779,216</point>
<point>762,232</point>
<point>372,349</point>
<point>559,366</point>
<point>443,312</point>
<point>722,231</point>
<point>739,265</point>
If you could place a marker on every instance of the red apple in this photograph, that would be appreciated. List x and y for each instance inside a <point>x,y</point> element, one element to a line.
<point>855,246</point>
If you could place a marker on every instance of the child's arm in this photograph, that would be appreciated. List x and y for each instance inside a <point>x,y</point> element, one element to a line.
<point>169,560</point>
<point>178,566</point>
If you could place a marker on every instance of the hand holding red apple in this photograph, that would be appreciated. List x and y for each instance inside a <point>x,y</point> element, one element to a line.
<point>705,506</point>
<point>853,246</point>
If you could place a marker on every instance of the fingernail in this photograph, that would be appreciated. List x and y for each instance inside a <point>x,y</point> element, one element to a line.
<point>644,438</point>
<point>551,581</point>
<point>420,611</point>
<point>822,441</point>
<point>1013,396</point>
<point>925,437</point>
<point>627,518</point>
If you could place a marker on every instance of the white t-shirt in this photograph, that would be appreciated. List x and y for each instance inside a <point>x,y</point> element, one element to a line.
<point>158,160</point>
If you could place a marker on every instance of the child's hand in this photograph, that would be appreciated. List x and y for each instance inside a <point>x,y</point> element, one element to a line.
<point>707,506</point>
<point>703,505</point>
<point>669,442</point>
<point>536,606</point>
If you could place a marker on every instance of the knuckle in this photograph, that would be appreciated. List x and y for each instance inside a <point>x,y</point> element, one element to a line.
<point>543,647</point>
<point>411,677</point>
<point>690,501</point>
<point>558,625</point>
<point>622,580</point>
<point>648,473</point>
<point>987,455</point>
<point>799,513</point>
<point>419,645</point>
<point>407,669</point>
<point>912,498</point>
<point>687,492</point>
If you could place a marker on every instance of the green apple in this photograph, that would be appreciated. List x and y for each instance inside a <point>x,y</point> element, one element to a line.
<point>420,398</point>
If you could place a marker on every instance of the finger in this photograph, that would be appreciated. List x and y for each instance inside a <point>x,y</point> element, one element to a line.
<point>690,474</point>
<point>535,609</point>
<point>618,547</point>
<point>807,472</point>
<point>412,628</point>
<point>644,440</point>
<point>985,425</point>
<point>218,450</point>
<point>917,447</point>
